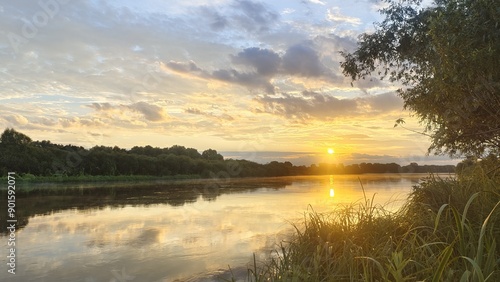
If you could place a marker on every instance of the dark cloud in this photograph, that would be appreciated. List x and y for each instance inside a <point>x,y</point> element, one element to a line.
<point>266,62</point>
<point>216,20</point>
<point>184,67</point>
<point>302,60</point>
<point>193,111</point>
<point>146,237</point>
<point>313,105</point>
<point>254,16</point>
<point>150,112</point>
<point>250,80</point>
<point>100,106</point>
<point>261,65</point>
<point>241,15</point>
<point>299,59</point>
<point>308,105</point>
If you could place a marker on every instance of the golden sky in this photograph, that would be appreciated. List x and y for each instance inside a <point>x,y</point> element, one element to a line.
<point>251,79</point>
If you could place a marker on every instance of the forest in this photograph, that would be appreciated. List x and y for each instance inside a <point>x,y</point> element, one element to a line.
<point>19,153</point>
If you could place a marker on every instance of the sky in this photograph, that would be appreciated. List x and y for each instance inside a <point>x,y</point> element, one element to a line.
<point>259,80</point>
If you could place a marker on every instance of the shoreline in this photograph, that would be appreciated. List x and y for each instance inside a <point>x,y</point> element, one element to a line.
<point>181,177</point>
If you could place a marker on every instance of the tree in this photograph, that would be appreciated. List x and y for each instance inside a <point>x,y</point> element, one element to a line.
<point>12,137</point>
<point>211,154</point>
<point>446,57</point>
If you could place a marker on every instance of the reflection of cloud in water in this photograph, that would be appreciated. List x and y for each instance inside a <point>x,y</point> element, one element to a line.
<point>160,241</point>
<point>190,240</point>
<point>146,237</point>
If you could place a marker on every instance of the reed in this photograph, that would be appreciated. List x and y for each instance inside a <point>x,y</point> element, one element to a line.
<point>447,231</point>
<point>29,178</point>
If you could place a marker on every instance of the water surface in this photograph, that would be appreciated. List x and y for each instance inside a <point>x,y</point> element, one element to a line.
<point>174,232</point>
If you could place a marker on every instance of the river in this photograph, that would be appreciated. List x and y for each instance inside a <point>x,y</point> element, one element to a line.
<point>183,231</point>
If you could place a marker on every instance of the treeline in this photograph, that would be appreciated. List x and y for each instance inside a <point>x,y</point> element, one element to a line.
<point>22,155</point>
<point>379,168</point>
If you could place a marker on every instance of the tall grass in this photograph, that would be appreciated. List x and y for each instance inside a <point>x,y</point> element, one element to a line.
<point>30,178</point>
<point>447,231</point>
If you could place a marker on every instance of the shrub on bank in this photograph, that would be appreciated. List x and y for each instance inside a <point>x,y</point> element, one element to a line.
<point>446,231</point>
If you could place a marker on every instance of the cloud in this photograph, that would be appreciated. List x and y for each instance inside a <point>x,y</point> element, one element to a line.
<point>254,16</point>
<point>308,105</point>
<point>308,158</point>
<point>250,80</point>
<point>149,111</point>
<point>354,136</point>
<point>241,15</point>
<point>221,116</point>
<point>46,121</point>
<point>312,105</point>
<point>217,21</point>
<point>302,60</point>
<point>256,67</point>
<point>16,119</point>
<point>368,158</point>
<point>383,103</point>
<point>317,2</point>
<point>183,67</point>
<point>334,15</point>
<point>107,65</point>
<point>194,111</point>
<point>101,106</point>
<point>265,61</point>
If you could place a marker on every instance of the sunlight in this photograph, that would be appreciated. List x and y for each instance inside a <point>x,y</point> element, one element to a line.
<point>330,151</point>
<point>332,192</point>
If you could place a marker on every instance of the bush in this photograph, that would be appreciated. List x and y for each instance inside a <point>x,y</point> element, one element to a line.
<point>447,231</point>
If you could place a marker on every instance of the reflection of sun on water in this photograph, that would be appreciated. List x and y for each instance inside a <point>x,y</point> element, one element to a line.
<point>332,192</point>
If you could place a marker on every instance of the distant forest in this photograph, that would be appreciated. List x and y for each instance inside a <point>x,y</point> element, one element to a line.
<point>20,154</point>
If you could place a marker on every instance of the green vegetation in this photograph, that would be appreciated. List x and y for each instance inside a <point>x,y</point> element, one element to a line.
<point>445,57</point>
<point>447,231</point>
<point>30,178</point>
<point>42,161</point>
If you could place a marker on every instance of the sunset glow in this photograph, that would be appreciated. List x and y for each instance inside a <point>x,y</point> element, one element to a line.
<point>259,80</point>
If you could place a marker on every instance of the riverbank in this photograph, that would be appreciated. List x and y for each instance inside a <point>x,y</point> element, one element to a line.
<point>446,231</point>
<point>29,178</point>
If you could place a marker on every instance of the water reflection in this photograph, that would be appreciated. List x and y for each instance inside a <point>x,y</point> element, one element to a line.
<point>171,232</point>
<point>332,192</point>
<point>45,200</point>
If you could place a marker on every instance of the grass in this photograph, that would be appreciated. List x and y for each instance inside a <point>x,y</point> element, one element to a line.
<point>29,178</point>
<point>447,231</point>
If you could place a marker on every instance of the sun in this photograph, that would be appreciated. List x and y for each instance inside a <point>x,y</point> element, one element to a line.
<point>330,151</point>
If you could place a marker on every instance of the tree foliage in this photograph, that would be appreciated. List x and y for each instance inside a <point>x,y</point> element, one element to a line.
<point>12,137</point>
<point>43,158</point>
<point>446,57</point>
